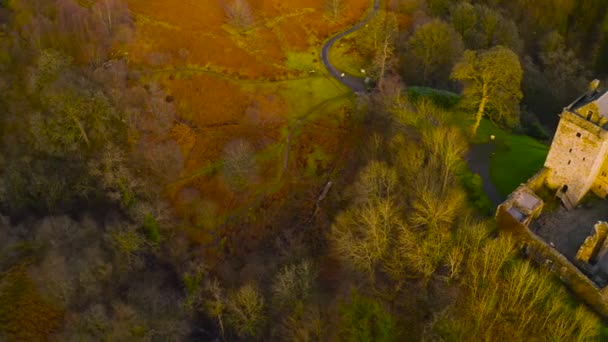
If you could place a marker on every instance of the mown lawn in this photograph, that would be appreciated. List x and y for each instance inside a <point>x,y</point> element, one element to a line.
<point>516,158</point>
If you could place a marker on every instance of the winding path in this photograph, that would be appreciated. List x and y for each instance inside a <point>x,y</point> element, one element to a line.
<point>478,160</point>
<point>356,84</point>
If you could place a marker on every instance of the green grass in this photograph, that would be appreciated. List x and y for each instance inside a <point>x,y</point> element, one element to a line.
<point>344,57</point>
<point>301,95</point>
<point>305,60</point>
<point>316,160</point>
<point>516,159</point>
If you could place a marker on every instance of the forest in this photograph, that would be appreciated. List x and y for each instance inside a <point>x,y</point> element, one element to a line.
<point>193,171</point>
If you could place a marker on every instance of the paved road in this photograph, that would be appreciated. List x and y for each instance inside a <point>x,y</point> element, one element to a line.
<point>478,160</point>
<point>357,84</point>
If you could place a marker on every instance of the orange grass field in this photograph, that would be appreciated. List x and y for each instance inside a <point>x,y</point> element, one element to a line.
<point>254,85</point>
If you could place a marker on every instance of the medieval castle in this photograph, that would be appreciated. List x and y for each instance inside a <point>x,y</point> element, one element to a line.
<point>577,161</point>
<point>547,214</point>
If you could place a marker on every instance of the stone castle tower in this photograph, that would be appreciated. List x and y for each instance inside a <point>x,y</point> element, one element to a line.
<point>577,161</point>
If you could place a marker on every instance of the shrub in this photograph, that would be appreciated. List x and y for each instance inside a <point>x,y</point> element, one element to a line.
<point>364,319</point>
<point>473,185</point>
<point>151,228</point>
<point>440,98</point>
<point>24,315</point>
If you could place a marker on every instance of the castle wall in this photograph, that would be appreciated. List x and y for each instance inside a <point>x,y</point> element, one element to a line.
<point>600,185</point>
<point>591,112</point>
<point>576,155</point>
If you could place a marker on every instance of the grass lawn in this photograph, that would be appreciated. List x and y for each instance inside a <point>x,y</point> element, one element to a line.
<point>517,157</point>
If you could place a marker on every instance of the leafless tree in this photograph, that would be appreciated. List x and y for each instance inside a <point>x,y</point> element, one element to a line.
<point>238,14</point>
<point>334,9</point>
<point>239,163</point>
<point>245,310</point>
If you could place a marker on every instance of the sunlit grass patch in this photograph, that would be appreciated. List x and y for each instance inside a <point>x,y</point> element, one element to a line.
<point>516,158</point>
<point>345,57</point>
<point>316,160</point>
<point>307,61</point>
<point>302,95</point>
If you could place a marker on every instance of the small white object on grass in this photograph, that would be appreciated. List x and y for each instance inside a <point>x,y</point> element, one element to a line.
<point>492,137</point>
<point>363,71</point>
<point>342,75</point>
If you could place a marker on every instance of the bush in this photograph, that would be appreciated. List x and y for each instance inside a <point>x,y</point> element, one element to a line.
<point>364,319</point>
<point>151,229</point>
<point>24,315</point>
<point>440,98</point>
<point>473,185</point>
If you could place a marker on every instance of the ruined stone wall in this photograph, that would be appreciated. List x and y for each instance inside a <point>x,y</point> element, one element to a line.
<point>579,283</point>
<point>592,244</point>
<point>576,155</point>
<point>538,180</point>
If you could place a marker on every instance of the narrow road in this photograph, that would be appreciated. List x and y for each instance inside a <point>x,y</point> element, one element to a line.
<point>478,160</point>
<point>356,84</point>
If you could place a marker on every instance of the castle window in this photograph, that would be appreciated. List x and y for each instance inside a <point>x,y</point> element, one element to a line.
<point>578,135</point>
<point>569,161</point>
<point>583,159</point>
<point>570,151</point>
<point>589,115</point>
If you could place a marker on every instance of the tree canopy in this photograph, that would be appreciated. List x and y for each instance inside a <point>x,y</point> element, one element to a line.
<point>434,47</point>
<point>492,84</point>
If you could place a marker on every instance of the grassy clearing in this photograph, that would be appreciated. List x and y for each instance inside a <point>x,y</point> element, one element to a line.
<point>517,157</point>
<point>345,57</point>
<point>302,95</point>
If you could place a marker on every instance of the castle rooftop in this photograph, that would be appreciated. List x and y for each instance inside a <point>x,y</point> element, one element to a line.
<point>600,98</point>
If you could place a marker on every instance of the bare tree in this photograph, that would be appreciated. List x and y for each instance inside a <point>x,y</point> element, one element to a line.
<point>384,59</point>
<point>334,8</point>
<point>362,235</point>
<point>239,163</point>
<point>238,14</point>
<point>216,305</point>
<point>245,311</point>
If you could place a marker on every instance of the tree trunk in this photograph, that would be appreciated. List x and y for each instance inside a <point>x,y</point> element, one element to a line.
<point>480,110</point>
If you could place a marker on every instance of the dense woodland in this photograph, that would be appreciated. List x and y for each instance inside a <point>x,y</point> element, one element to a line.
<point>402,247</point>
